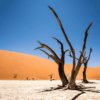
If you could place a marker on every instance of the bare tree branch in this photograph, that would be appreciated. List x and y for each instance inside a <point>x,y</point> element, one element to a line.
<point>47,53</point>
<point>64,35</point>
<point>66,51</point>
<point>84,54</point>
<point>57,41</point>
<point>38,48</point>
<point>82,61</point>
<point>61,27</point>
<point>62,51</point>
<point>72,57</point>
<point>85,61</point>
<point>84,58</point>
<point>86,34</point>
<point>39,42</point>
<point>48,48</point>
<point>89,54</point>
<point>83,49</point>
<point>79,62</point>
<point>49,56</point>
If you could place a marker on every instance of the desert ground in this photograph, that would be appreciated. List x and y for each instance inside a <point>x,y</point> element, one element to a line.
<point>43,90</point>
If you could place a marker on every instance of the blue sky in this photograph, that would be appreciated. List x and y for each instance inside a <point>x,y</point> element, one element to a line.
<point>23,22</point>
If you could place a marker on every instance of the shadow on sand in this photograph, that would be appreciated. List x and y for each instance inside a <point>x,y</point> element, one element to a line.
<point>80,88</point>
<point>84,90</point>
<point>88,82</point>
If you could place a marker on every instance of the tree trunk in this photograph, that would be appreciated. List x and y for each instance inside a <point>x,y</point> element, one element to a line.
<point>72,84</point>
<point>84,74</point>
<point>62,74</point>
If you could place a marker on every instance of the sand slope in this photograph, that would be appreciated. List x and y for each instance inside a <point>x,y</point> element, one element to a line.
<point>35,67</point>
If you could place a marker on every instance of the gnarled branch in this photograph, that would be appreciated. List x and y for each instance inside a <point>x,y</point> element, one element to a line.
<point>83,49</point>
<point>48,48</point>
<point>62,51</point>
<point>38,48</point>
<point>61,27</point>
<point>49,56</point>
<point>66,51</point>
<point>58,41</point>
<point>86,34</point>
<point>73,52</point>
<point>89,54</point>
<point>79,62</point>
<point>72,57</point>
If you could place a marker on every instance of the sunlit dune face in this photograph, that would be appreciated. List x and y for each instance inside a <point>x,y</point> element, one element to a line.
<point>18,66</point>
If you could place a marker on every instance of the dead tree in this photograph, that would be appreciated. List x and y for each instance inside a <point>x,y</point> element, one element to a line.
<point>59,61</point>
<point>85,61</point>
<point>27,78</point>
<point>15,76</point>
<point>75,69</point>
<point>32,78</point>
<point>50,76</point>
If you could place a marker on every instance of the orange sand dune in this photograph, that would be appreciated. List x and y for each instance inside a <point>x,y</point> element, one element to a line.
<point>35,67</point>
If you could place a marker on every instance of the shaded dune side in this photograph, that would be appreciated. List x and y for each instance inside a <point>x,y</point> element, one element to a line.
<point>34,67</point>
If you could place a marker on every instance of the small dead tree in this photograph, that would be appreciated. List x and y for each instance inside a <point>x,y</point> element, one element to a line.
<point>32,78</point>
<point>50,76</point>
<point>59,61</point>
<point>27,78</point>
<point>85,61</point>
<point>75,69</point>
<point>15,76</point>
